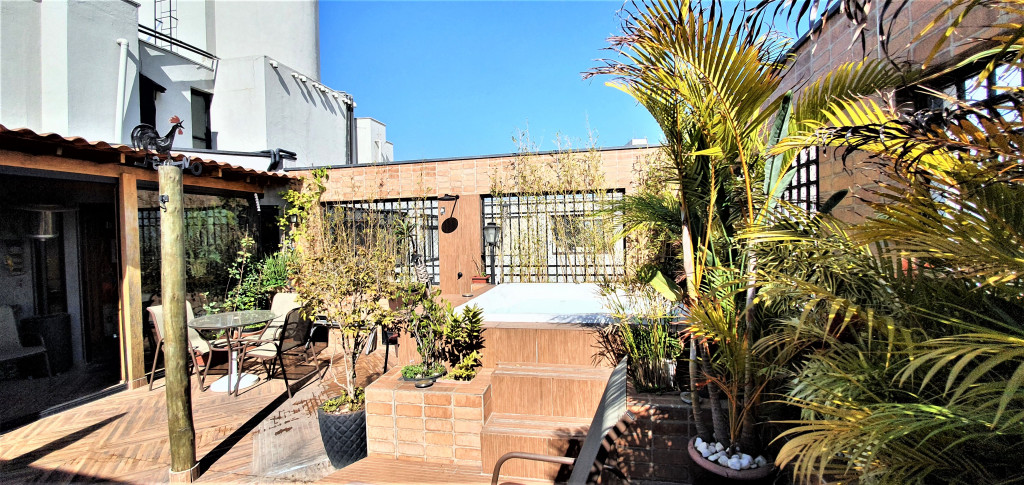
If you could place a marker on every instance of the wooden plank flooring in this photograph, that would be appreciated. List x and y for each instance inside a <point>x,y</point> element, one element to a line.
<point>386,471</point>
<point>122,438</point>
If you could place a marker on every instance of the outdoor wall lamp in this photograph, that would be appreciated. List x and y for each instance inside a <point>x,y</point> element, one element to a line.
<point>293,219</point>
<point>491,231</point>
<point>273,64</point>
<point>448,197</point>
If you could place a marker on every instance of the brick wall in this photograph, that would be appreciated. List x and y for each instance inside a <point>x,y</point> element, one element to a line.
<point>458,176</point>
<point>653,451</point>
<point>833,46</point>
<point>441,423</point>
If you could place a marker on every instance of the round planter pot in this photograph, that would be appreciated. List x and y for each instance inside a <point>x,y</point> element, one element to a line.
<point>344,436</point>
<point>712,469</point>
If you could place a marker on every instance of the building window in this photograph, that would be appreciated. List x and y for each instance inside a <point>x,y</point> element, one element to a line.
<point>148,92</point>
<point>803,189</point>
<point>965,85</point>
<point>201,135</point>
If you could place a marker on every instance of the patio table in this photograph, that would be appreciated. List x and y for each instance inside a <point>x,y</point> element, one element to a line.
<point>232,322</point>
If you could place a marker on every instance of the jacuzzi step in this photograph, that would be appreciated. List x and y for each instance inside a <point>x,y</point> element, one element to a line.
<point>543,343</point>
<point>548,435</point>
<point>547,390</point>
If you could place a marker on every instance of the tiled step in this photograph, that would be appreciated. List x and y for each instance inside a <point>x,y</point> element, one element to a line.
<point>548,390</point>
<point>548,435</point>
<point>543,343</point>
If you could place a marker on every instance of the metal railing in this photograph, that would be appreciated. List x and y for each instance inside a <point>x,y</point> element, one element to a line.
<point>553,238</point>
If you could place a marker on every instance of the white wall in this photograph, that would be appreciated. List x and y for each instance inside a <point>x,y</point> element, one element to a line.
<point>285,30</point>
<point>20,89</point>
<point>178,76</point>
<point>56,76</point>
<point>239,107</point>
<point>257,107</point>
<point>303,119</point>
<point>371,142</point>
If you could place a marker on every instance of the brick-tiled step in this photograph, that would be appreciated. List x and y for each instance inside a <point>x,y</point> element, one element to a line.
<point>548,435</point>
<point>543,343</point>
<point>547,389</point>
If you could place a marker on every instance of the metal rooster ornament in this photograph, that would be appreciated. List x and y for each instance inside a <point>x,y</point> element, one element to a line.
<point>145,137</point>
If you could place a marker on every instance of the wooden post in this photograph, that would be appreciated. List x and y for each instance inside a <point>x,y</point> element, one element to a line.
<point>181,431</point>
<point>133,368</point>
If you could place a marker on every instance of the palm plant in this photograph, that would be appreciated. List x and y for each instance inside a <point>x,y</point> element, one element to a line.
<point>910,322</point>
<point>711,83</point>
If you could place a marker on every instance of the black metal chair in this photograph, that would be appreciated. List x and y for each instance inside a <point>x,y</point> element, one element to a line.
<point>291,340</point>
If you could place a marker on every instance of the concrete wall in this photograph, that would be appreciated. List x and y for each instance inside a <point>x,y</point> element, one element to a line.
<point>300,118</point>
<point>178,75</point>
<point>59,77</point>
<point>814,59</point>
<point>287,31</point>
<point>371,142</point>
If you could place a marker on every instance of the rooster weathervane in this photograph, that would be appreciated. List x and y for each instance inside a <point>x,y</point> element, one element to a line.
<point>145,137</point>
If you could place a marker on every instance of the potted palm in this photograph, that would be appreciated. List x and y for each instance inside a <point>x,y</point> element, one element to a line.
<point>716,128</point>
<point>344,264</point>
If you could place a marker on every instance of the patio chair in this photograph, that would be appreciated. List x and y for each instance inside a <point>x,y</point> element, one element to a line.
<point>282,305</point>
<point>290,339</point>
<point>10,344</point>
<point>199,345</point>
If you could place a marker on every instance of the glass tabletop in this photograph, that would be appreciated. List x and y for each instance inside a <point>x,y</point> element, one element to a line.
<point>232,319</point>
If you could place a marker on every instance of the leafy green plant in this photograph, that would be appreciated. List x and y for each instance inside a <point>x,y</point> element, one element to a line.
<point>346,402</point>
<point>465,369</point>
<point>414,371</point>
<point>275,271</point>
<point>344,267</point>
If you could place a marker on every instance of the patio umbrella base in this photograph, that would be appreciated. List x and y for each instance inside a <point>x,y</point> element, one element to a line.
<point>244,381</point>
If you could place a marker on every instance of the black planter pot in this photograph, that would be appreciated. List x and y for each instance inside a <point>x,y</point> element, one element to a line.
<point>344,436</point>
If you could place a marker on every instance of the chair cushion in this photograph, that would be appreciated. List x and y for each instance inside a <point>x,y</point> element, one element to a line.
<point>267,350</point>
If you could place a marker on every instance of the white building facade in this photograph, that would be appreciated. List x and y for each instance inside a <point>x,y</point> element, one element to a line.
<point>243,76</point>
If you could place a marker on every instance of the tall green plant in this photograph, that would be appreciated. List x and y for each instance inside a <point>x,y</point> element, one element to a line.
<point>710,82</point>
<point>345,266</point>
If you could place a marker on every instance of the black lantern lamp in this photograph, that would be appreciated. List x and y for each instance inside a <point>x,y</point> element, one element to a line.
<point>491,230</point>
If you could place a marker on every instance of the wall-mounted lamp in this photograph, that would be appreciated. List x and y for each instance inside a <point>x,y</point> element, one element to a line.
<point>303,78</point>
<point>491,232</point>
<point>295,75</point>
<point>448,197</point>
<point>293,219</point>
<point>273,64</point>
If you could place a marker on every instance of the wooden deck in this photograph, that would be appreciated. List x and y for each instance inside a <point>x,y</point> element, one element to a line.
<point>123,437</point>
<point>385,471</point>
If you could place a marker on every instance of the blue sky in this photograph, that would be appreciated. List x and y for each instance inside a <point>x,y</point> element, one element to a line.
<point>454,79</point>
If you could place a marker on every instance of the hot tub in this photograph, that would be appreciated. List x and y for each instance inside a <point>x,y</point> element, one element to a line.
<point>579,303</point>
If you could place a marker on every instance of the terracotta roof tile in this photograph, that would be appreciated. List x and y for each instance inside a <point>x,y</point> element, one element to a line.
<point>102,146</point>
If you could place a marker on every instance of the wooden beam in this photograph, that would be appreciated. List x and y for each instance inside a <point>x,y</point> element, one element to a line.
<point>68,165</point>
<point>133,368</point>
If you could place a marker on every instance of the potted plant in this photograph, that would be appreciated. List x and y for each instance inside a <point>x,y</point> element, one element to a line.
<point>342,422</point>
<point>481,276</point>
<point>344,268</point>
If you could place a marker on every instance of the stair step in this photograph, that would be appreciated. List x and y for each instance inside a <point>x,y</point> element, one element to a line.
<point>555,426</point>
<point>552,370</point>
<point>548,390</point>
<point>547,435</point>
<point>563,343</point>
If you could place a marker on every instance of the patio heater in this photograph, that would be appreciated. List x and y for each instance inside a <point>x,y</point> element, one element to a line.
<point>491,238</point>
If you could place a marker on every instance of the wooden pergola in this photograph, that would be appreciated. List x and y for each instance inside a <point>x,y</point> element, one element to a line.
<point>25,152</point>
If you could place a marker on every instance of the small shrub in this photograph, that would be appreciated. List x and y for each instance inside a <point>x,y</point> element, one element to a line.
<point>414,371</point>
<point>340,404</point>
